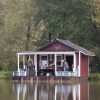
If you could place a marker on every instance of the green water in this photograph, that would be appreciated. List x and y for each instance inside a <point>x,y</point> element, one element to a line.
<point>28,91</point>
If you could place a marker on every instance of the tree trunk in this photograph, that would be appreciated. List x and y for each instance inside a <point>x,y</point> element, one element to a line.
<point>49,37</point>
<point>28,35</point>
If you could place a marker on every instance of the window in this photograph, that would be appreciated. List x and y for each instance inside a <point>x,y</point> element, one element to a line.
<point>43,57</point>
<point>59,59</point>
<point>44,61</point>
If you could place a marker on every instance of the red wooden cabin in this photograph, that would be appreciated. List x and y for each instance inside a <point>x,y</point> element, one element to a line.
<point>49,57</point>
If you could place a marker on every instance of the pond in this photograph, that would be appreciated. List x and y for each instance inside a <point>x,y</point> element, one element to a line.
<point>43,91</point>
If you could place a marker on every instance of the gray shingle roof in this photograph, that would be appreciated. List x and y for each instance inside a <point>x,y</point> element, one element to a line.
<point>71,45</point>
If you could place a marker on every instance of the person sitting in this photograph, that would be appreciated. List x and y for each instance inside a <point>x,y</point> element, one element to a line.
<point>30,66</point>
<point>30,62</point>
<point>65,65</point>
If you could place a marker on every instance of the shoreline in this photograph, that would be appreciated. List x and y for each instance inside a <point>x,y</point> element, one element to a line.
<point>7,75</point>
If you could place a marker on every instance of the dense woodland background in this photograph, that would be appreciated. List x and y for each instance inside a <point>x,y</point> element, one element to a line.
<point>28,24</point>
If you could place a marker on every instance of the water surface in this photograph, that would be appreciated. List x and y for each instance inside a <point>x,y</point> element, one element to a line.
<point>28,91</point>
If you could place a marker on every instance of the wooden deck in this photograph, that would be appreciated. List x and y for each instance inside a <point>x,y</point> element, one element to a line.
<point>48,79</point>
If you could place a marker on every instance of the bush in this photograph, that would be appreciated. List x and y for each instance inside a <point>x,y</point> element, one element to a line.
<point>5,75</point>
<point>1,68</point>
<point>94,76</point>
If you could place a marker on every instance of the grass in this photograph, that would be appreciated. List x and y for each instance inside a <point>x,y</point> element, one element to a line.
<point>94,76</point>
<point>5,74</point>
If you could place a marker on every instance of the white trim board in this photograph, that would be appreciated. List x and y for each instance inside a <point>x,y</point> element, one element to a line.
<point>32,53</point>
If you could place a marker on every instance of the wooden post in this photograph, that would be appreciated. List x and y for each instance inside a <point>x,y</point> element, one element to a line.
<point>74,69</point>
<point>18,63</point>
<point>79,64</point>
<point>55,64</point>
<point>35,63</point>
<point>88,66</point>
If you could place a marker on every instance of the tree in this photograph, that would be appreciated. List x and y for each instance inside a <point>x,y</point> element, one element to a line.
<point>95,6</point>
<point>75,20</point>
<point>66,19</point>
<point>18,29</point>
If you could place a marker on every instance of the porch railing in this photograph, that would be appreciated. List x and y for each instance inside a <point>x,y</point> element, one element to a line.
<point>58,73</point>
<point>19,73</point>
<point>67,73</point>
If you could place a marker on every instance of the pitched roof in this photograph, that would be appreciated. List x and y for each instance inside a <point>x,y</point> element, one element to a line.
<point>71,45</point>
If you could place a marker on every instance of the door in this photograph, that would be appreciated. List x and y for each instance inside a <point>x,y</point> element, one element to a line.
<point>69,60</point>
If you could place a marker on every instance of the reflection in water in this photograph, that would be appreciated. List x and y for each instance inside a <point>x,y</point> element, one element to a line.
<point>64,92</point>
<point>49,91</point>
<point>26,91</point>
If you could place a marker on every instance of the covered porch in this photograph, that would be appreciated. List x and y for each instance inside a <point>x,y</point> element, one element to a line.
<point>47,64</point>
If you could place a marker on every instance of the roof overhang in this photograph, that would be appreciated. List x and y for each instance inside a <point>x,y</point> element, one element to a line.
<point>92,54</point>
<point>67,43</point>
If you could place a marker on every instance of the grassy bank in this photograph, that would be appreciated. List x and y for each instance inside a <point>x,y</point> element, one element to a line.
<point>94,76</point>
<point>5,75</point>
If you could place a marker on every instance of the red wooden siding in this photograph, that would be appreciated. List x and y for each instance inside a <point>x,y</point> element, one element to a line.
<point>57,47</point>
<point>84,65</point>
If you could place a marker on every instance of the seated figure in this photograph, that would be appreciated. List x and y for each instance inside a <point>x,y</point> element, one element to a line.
<point>65,65</point>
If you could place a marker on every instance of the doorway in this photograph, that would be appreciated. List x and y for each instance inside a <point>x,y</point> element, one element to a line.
<point>69,60</point>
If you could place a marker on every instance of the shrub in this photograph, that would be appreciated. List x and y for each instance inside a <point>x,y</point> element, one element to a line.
<point>5,75</point>
<point>94,76</point>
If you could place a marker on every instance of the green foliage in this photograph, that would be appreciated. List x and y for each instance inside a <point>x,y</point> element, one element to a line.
<point>5,75</point>
<point>66,19</point>
<point>16,17</point>
<point>73,20</point>
<point>94,76</point>
<point>25,24</point>
<point>96,33</point>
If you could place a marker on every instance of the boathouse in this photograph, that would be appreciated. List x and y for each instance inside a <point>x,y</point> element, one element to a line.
<point>48,60</point>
